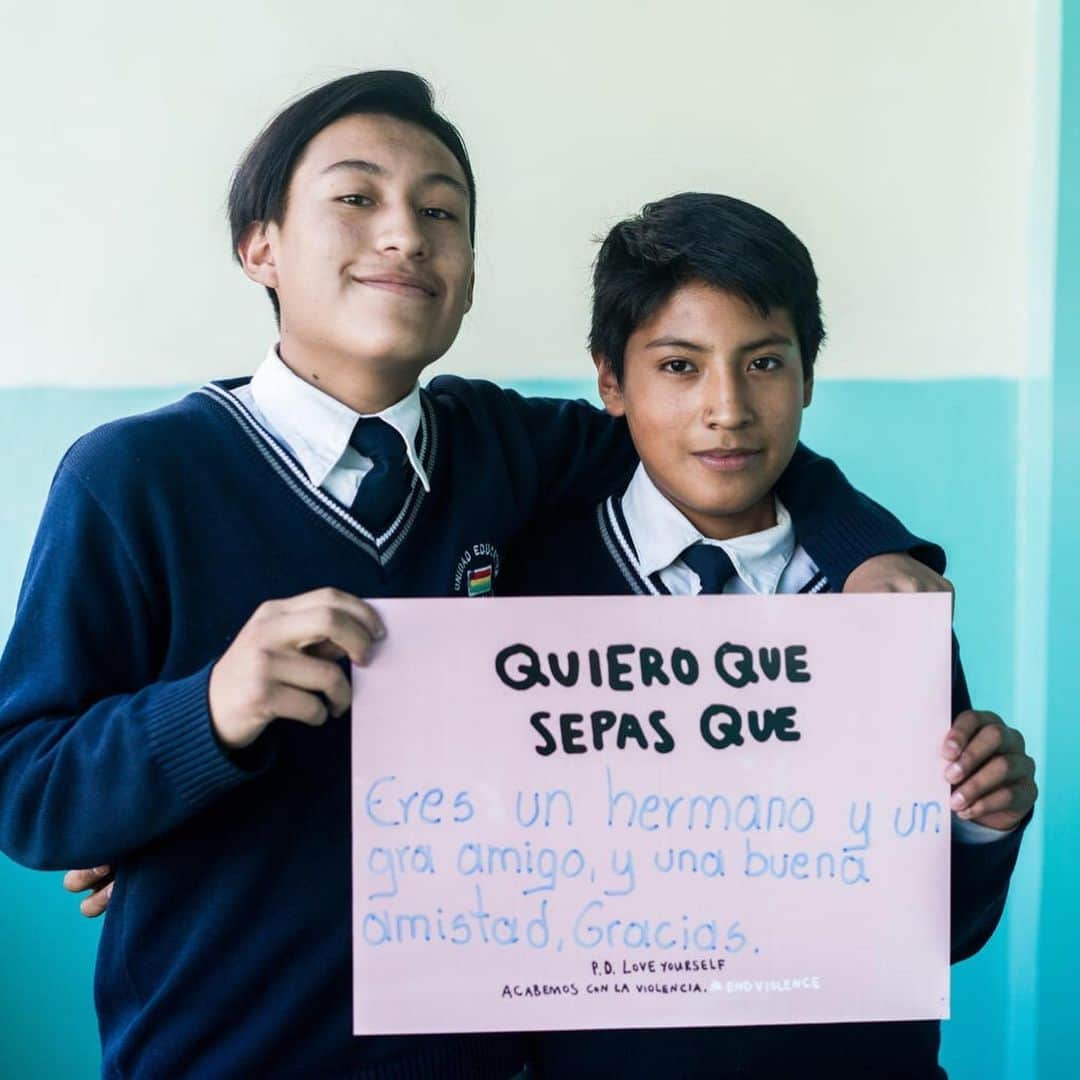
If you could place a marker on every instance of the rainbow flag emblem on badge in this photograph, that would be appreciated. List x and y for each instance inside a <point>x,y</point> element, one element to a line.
<point>480,581</point>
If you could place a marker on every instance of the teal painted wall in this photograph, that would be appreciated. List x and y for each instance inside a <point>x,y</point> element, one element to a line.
<point>1059,945</point>
<point>942,455</point>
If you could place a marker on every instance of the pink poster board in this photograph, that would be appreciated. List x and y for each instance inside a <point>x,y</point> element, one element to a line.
<point>645,812</point>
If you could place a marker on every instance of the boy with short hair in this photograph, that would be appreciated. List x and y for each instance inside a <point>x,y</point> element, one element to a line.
<point>194,587</point>
<point>706,324</point>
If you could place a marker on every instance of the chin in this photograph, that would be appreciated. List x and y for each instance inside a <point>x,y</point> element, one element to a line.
<point>729,510</point>
<point>382,350</point>
<point>727,504</point>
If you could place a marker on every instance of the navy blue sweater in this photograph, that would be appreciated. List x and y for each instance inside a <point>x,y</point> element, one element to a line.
<point>592,554</point>
<point>226,949</point>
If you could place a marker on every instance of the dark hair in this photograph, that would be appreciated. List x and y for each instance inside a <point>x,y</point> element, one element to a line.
<point>721,241</point>
<point>260,184</point>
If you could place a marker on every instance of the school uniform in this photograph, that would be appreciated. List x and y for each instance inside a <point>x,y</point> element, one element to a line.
<point>226,949</point>
<point>640,544</point>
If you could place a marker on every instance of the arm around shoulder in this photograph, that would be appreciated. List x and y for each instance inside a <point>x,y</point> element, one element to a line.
<point>568,453</point>
<point>840,527</point>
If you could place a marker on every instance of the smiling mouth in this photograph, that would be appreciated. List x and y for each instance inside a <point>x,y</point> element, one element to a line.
<point>728,460</point>
<point>399,288</point>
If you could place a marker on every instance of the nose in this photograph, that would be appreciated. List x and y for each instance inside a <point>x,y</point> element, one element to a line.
<point>727,399</point>
<point>399,231</point>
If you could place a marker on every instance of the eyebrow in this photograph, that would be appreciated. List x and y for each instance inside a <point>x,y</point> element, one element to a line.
<point>675,343</point>
<point>765,342</point>
<point>371,168</point>
<point>693,346</point>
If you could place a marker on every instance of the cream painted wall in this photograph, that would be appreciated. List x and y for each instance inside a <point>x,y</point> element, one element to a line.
<point>896,139</point>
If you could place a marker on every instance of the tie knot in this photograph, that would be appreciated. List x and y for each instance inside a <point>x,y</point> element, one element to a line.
<point>712,565</point>
<point>384,489</point>
<point>376,439</point>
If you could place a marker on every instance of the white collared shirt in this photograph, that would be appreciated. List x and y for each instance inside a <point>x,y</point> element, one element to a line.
<point>765,562</point>
<point>315,427</point>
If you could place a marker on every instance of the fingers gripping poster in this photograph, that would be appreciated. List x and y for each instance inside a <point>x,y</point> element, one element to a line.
<point>678,811</point>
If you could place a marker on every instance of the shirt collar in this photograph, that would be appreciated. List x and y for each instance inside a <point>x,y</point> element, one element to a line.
<point>317,427</point>
<point>661,533</point>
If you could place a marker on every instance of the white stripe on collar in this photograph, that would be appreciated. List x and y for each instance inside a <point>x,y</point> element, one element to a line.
<point>316,427</point>
<point>661,533</point>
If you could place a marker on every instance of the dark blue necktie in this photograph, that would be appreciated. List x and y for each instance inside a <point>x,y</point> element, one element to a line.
<point>383,490</point>
<point>711,563</point>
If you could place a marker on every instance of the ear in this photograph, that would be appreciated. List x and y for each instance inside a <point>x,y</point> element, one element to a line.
<point>469,292</point>
<point>808,390</point>
<point>610,391</point>
<point>256,252</point>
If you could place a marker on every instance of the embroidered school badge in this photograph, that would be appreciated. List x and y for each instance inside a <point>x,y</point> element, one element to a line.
<point>476,571</point>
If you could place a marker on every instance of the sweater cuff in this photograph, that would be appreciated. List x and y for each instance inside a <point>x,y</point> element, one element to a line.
<point>852,538</point>
<point>971,832</point>
<point>991,856</point>
<point>183,743</point>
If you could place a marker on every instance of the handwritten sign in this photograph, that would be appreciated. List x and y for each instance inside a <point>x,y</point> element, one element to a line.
<point>645,812</point>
